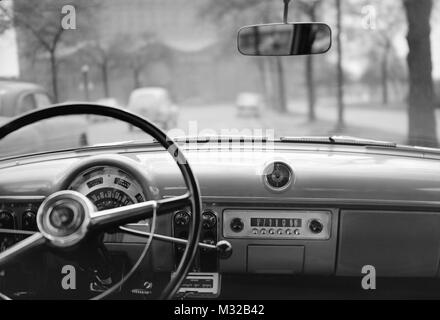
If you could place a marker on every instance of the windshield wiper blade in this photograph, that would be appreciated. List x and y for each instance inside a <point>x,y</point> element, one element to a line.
<point>340,140</point>
<point>117,144</point>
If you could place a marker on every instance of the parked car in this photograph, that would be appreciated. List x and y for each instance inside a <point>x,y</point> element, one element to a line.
<point>249,104</point>
<point>155,104</point>
<point>18,97</point>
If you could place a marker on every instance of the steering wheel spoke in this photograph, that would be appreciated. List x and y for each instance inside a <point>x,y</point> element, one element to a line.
<point>116,216</point>
<point>169,205</point>
<point>17,232</point>
<point>165,238</point>
<point>21,248</point>
<point>132,213</point>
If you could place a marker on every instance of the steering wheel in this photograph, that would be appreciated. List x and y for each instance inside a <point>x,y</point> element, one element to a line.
<point>82,216</point>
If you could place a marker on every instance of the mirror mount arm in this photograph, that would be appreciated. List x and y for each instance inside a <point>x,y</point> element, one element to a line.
<point>286,11</point>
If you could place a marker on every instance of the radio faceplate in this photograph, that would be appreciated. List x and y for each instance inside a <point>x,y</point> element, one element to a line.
<point>277,224</point>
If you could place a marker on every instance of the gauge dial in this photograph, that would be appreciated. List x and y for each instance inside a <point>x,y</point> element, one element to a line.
<point>108,187</point>
<point>278,176</point>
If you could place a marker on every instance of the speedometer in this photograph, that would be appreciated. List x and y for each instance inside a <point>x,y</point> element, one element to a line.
<point>108,187</point>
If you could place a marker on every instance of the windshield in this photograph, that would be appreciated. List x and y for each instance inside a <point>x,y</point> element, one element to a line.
<point>176,63</point>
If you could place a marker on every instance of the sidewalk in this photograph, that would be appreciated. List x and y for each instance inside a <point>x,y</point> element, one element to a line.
<point>376,123</point>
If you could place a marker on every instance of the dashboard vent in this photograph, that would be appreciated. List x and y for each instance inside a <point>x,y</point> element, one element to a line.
<point>278,176</point>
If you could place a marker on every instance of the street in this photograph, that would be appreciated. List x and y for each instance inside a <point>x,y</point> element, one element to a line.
<point>374,123</point>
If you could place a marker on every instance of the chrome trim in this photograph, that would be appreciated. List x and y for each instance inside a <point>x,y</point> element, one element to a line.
<point>287,185</point>
<point>49,231</point>
<point>333,202</point>
<point>22,198</point>
<point>280,232</point>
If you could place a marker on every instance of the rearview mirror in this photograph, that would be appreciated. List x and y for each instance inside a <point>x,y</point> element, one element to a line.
<point>284,39</point>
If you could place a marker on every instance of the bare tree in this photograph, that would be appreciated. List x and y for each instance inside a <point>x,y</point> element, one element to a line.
<point>105,55</point>
<point>385,28</point>
<point>310,9</point>
<point>5,22</point>
<point>422,121</point>
<point>340,71</point>
<point>271,68</point>
<point>142,53</point>
<point>41,21</point>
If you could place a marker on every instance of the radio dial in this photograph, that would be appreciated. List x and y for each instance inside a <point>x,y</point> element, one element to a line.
<point>315,226</point>
<point>237,225</point>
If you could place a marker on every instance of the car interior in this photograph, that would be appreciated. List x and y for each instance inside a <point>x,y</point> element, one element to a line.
<point>217,216</point>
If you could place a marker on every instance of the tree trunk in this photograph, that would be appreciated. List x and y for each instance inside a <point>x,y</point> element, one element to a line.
<point>54,75</point>
<point>340,72</point>
<point>105,81</point>
<point>421,100</point>
<point>384,72</point>
<point>310,88</point>
<point>281,85</point>
<point>264,88</point>
<point>136,78</point>
<point>311,98</point>
<point>271,82</point>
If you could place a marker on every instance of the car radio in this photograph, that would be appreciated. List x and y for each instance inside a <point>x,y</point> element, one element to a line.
<point>277,224</point>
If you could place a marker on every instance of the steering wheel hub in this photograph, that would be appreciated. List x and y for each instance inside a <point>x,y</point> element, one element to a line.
<point>63,218</point>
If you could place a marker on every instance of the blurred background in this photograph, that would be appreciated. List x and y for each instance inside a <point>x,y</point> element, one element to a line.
<point>176,62</point>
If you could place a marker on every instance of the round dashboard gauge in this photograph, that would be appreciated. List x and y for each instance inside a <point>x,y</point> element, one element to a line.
<point>108,187</point>
<point>278,176</point>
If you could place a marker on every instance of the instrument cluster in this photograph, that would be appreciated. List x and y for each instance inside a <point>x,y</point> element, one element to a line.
<point>108,187</point>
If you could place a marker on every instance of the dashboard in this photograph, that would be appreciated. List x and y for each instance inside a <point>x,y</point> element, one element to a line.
<point>299,210</point>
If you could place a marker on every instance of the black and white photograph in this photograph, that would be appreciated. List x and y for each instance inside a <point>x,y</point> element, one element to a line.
<point>222,154</point>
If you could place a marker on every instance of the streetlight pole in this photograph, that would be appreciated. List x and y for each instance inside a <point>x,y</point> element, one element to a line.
<point>85,77</point>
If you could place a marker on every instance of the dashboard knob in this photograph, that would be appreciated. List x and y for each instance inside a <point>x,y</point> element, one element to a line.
<point>6,220</point>
<point>315,226</point>
<point>182,218</point>
<point>29,221</point>
<point>237,225</point>
<point>224,248</point>
<point>209,220</point>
